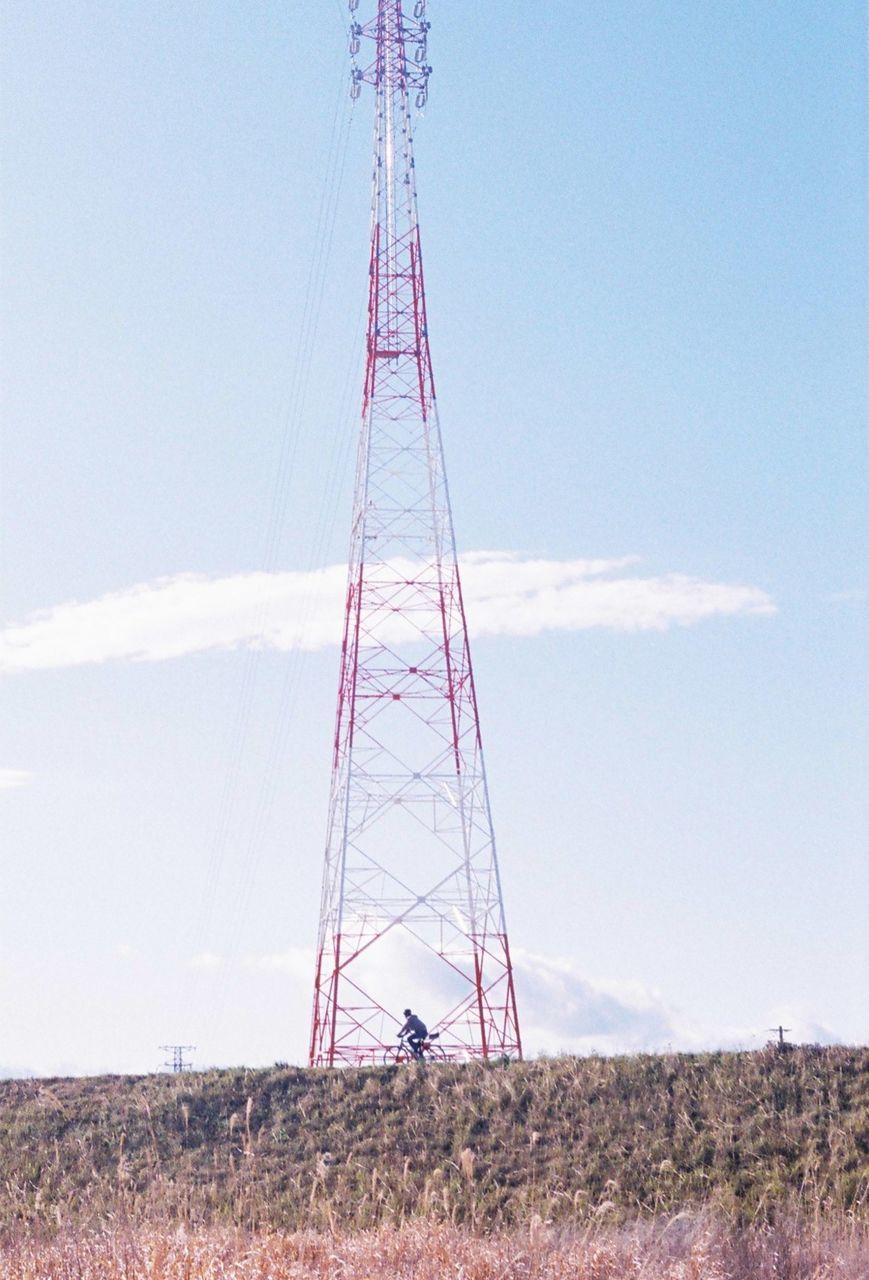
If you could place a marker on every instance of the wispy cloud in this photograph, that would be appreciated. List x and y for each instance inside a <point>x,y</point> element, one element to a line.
<point>564,1011</point>
<point>296,963</point>
<point>505,594</point>
<point>12,778</point>
<point>561,1009</point>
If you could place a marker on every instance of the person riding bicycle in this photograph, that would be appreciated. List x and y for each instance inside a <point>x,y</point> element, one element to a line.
<point>416,1032</point>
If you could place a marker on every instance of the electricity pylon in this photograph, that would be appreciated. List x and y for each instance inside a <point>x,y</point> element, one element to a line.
<point>412,912</point>
<point>178,1062</point>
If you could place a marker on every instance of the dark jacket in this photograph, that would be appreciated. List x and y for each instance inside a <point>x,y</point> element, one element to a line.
<point>415,1027</point>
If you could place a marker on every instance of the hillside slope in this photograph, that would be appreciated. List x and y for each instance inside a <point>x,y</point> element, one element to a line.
<point>562,1138</point>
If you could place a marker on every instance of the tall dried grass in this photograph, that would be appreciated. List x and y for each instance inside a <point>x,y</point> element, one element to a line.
<point>685,1247</point>
<point>487,1147</point>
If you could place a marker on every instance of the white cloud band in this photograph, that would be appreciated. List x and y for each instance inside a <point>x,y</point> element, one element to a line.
<point>561,1009</point>
<point>504,595</point>
<point>13,778</point>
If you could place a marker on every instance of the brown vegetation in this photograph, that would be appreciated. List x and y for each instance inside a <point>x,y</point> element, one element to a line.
<point>681,1248</point>
<point>709,1167</point>
<point>487,1146</point>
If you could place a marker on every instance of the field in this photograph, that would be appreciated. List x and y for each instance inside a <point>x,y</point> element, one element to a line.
<point>681,1248</point>
<point>717,1166</point>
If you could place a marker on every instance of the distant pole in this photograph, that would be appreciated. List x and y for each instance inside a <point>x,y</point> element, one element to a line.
<point>782,1043</point>
<point>176,1062</point>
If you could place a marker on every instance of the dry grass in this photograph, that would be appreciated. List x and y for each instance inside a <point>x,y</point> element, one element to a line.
<point>710,1167</point>
<point>485,1147</point>
<point>685,1247</point>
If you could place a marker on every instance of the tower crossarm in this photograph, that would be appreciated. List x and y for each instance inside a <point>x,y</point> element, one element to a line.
<point>400,49</point>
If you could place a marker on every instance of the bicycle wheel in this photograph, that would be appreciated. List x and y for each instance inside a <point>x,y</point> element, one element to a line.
<point>395,1056</point>
<point>435,1053</point>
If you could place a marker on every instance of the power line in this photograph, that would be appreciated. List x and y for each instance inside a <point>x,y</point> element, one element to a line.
<point>312,302</point>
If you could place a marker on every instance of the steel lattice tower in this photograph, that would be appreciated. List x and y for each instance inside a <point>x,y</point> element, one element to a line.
<point>412,911</point>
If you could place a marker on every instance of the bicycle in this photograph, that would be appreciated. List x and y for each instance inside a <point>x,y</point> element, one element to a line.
<point>428,1051</point>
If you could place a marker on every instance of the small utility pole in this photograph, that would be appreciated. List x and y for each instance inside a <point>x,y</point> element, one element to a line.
<point>782,1043</point>
<point>178,1051</point>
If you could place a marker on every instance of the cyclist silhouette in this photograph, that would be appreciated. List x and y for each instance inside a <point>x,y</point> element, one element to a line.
<point>416,1032</point>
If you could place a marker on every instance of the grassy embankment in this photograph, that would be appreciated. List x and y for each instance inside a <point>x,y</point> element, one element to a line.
<point>564,1141</point>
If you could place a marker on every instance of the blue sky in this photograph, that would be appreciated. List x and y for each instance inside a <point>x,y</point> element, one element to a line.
<point>644,229</point>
